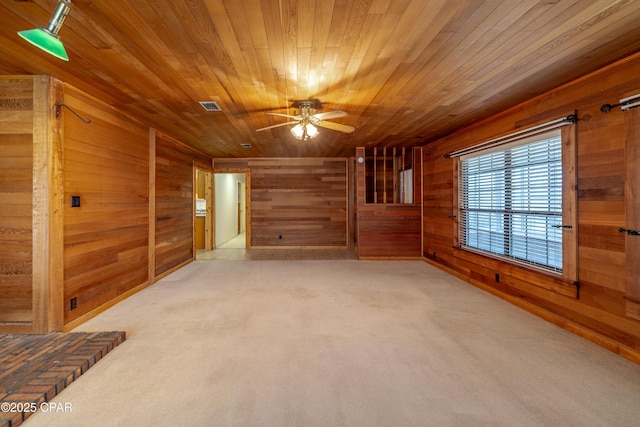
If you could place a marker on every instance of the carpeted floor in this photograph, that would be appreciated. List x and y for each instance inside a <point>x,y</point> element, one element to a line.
<point>35,368</point>
<point>340,343</point>
<point>277,254</point>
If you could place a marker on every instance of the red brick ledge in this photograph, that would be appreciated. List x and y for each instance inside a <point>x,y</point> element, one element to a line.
<point>35,368</point>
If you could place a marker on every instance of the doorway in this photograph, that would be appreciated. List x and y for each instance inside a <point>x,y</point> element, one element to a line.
<point>203,220</point>
<point>231,210</point>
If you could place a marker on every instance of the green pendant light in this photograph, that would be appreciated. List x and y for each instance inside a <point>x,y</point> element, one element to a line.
<point>47,39</point>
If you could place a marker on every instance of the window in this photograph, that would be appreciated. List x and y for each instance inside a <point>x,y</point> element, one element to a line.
<point>510,201</point>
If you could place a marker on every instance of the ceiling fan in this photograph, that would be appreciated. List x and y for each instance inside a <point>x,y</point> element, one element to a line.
<point>306,122</point>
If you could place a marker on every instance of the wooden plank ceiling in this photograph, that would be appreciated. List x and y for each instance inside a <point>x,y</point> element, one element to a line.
<point>406,71</point>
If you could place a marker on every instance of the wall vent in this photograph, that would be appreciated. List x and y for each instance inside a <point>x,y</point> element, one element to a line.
<point>210,106</point>
<point>245,145</point>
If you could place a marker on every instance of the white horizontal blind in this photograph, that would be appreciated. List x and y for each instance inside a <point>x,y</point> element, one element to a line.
<point>510,200</point>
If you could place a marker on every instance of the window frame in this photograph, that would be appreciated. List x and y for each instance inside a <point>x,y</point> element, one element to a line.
<point>569,205</point>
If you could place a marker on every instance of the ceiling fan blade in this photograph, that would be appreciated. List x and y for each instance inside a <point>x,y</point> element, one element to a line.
<point>275,126</point>
<point>336,126</point>
<point>330,115</point>
<point>285,115</point>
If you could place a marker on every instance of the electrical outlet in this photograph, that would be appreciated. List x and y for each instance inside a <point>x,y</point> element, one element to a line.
<point>75,201</point>
<point>280,237</point>
<point>73,303</point>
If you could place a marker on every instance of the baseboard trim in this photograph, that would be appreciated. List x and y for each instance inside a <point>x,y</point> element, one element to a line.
<point>107,305</point>
<point>172,270</point>
<point>16,328</point>
<point>328,248</point>
<point>576,329</point>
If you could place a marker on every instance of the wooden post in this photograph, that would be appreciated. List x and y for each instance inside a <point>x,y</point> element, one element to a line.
<point>375,175</point>
<point>48,195</point>
<point>396,173</point>
<point>404,177</point>
<point>384,175</point>
<point>569,203</point>
<point>361,192</point>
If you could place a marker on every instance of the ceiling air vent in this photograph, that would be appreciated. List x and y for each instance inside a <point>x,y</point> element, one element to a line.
<point>210,106</point>
<point>245,145</point>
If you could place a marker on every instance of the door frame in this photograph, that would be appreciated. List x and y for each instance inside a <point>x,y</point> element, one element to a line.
<point>247,201</point>
<point>209,232</point>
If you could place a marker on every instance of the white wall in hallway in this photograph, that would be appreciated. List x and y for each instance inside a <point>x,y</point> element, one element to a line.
<point>226,205</point>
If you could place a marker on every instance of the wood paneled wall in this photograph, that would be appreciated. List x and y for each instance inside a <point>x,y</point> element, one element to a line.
<point>388,230</point>
<point>106,164</point>
<point>30,205</point>
<point>303,200</point>
<point>174,203</point>
<point>632,212</point>
<point>16,170</point>
<point>599,313</point>
<point>116,242</point>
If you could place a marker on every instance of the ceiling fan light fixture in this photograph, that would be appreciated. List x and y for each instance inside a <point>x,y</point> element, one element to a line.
<point>297,131</point>
<point>307,122</point>
<point>312,131</point>
<point>304,132</point>
<point>47,38</point>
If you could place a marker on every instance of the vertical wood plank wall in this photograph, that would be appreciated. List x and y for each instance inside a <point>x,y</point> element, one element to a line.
<point>30,207</point>
<point>16,170</point>
<point>106,163</point>
<point>303,200</point>
<point>602,267</point>
<point>105,249</point>
<point>174,203</point>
